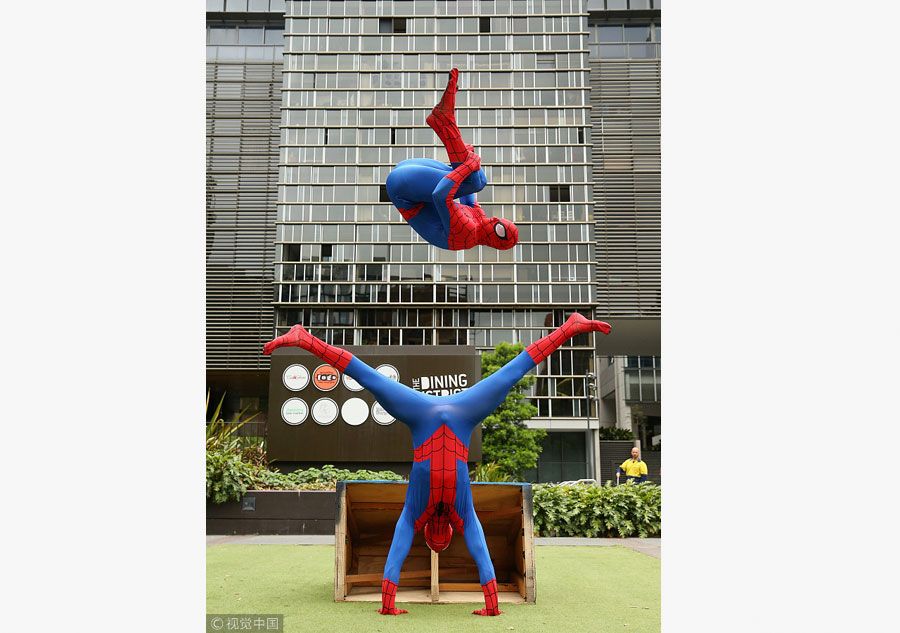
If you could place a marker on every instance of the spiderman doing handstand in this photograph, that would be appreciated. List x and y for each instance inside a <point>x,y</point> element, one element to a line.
<point>439,498</point>
<point>424,190</point>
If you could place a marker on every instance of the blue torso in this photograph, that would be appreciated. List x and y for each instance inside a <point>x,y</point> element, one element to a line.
<point>413,182</point>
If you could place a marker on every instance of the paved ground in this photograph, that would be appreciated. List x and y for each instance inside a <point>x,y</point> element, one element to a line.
<point>649,546</point>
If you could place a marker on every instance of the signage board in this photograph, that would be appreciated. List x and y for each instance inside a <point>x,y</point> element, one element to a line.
<point>317,413</point>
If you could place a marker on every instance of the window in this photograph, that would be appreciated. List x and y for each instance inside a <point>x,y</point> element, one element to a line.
<point>560,193</point>
<point>392,25</point>
<point>484,25</point>
<point>383,194</point>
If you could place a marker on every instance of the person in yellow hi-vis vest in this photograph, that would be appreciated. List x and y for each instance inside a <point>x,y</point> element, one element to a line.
<point>635,469</point>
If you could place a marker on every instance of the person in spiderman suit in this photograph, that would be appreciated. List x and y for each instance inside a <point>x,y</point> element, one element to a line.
<point>439,498</point>
<point>424,190</point>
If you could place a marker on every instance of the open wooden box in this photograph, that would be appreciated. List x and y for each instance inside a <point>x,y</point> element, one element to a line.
<point>364,527</point>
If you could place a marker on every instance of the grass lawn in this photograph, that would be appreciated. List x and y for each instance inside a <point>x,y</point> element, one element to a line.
<point>578,589</point>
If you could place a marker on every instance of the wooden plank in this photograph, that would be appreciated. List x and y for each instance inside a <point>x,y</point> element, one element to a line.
<point>404,575</point>
<point>490,515</point>
<point>474,586</point>
<point>435,589</point>
<point>340,531</point>
<point>422,595</point>
<point>354,528</point>
<point>520,583</point>
<point>377,505</point>
<point>528,545</point>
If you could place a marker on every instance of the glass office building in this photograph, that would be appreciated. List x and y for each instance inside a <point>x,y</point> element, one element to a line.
<point>358,80</point>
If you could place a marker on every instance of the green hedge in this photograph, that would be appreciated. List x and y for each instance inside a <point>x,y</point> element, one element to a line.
<point>228,477</point>
<point>594,511</point>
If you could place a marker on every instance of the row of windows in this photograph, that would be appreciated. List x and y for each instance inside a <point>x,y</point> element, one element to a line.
<point>426,43</point>
<point>255,6</point>
<point>621,5</point>
<point>442,25</point>
<point>328,192</point>
<point>649,362</point>
<point>625,51</point>
<point>606,33</point>
<point>436,7</point>
<point>443,62</point>
<point>496,174</point>
<point>571,362</point>
<point>536,154</point>
<point>434,293</point>
<point>521,80</point>
<point>428,317</point>
<point>402,232</point>
<point>439,272</point>
<point>563,213</point>
<point>395,253</point>
<point>244,53</point>
<point>465,118</point>
<point>425,136</point>
<point>643,385</point>
<point>247,35</point>
<point>421,98</point>
<point>565,361</point>
<point>494,193</point>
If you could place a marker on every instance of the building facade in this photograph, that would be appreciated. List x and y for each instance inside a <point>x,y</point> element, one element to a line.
<point>321,244</point>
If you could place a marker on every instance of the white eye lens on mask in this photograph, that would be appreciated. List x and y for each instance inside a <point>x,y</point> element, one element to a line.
<point>500,230</point>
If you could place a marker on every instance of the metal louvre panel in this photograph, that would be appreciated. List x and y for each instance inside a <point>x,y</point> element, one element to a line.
<point>625,116</point>
<point>243,117</point>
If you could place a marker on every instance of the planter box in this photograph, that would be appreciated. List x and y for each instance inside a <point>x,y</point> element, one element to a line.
<point>274,512</point>
<point>365,518</point>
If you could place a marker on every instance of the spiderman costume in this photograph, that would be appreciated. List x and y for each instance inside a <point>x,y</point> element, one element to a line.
<point>425,190</point>
<point>439,498</point>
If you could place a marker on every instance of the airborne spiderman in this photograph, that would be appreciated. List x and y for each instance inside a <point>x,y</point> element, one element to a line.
<point>424,190</point>
<point>439,498</point>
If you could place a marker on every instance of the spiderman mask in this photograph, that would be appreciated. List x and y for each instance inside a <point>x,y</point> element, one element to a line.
<point>499,233</point>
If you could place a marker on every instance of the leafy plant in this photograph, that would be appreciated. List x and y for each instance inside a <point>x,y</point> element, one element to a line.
<point>594,511</point>
<point>227,476</point>
<point>491,472</point>
<point>506,441</point>
<point>614,433</point>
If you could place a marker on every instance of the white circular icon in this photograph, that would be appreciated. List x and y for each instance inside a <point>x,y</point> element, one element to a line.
<point>380,415</point>
<point>355,411</point>
<point>294,411</point>
<point>324,411</point>
<point>351,384</point>
<point>295,377</point>
<point>390,371</point>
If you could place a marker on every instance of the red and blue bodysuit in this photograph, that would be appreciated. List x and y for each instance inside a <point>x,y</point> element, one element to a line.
<point>439,498</point>
<point>425,190</point>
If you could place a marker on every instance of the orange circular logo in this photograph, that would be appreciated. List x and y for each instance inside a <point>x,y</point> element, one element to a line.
<point>326,377</point>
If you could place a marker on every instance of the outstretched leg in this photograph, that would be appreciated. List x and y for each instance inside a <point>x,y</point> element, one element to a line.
<point>482,398</point>
<point>475,542</point>
<point>403,538</point>
<point>443,121</point>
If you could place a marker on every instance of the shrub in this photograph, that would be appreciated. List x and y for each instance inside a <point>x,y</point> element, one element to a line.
<point>614,433</point>
<point>594,511</point>
<point>491,472</point>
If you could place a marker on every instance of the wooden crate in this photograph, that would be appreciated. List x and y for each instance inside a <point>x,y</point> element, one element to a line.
<point>366,513</point>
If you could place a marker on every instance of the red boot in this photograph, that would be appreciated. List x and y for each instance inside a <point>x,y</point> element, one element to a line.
<point>388,593</point>
<point>576,324</point>
<point>491,604</point>
<point>299,337</point>
<point>443,121</point>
